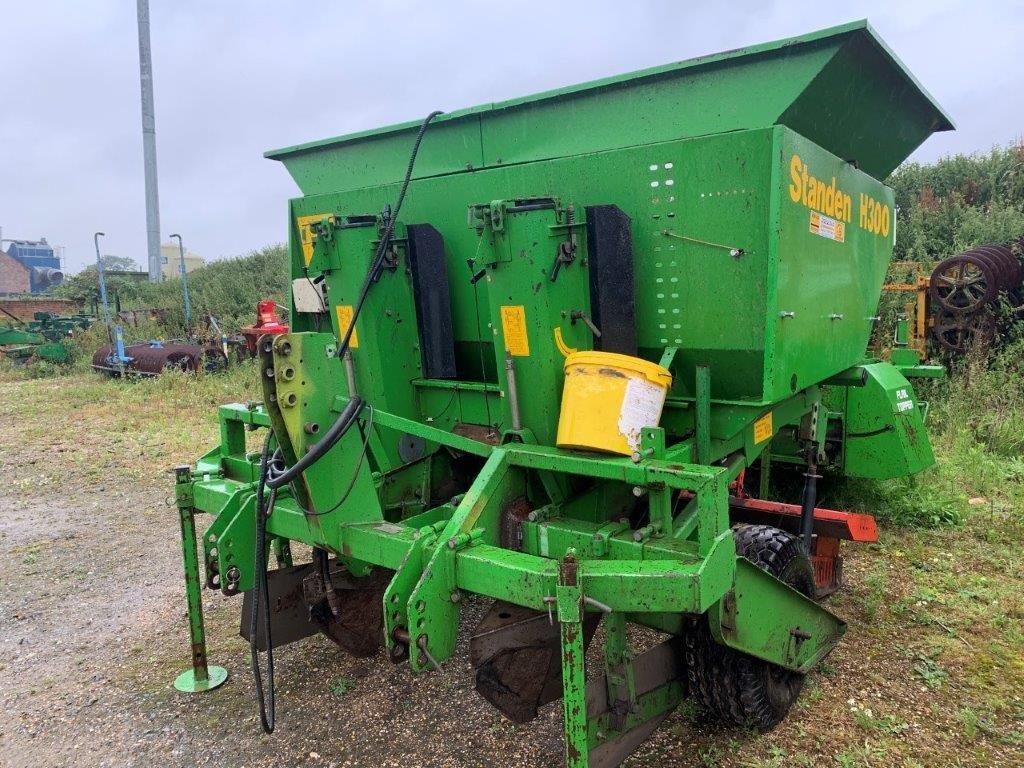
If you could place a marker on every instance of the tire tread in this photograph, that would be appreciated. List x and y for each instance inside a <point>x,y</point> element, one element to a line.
<point>731,685</point>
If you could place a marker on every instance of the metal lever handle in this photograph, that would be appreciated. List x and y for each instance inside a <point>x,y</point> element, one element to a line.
<point>577,314</point>
<point>566,254</point>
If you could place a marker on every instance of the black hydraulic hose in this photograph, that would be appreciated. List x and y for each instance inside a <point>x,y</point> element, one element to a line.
<point>323,563</point>
<point>347,417</point>
<point>385,239</point>
<point>336,431</point>
<point>810,499</point>
<point>273,478</point>
<point>261,598</point>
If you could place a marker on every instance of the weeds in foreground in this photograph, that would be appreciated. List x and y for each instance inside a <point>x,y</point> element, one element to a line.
<point>927,668</point>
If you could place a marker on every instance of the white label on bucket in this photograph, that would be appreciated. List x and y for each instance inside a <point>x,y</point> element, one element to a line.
<point>641,407</point>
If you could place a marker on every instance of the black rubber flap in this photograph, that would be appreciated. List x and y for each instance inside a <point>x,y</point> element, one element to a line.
<point>612,286</point>
<point>433,301</point>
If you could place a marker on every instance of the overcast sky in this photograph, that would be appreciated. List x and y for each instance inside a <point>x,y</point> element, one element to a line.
<point>234,79</point>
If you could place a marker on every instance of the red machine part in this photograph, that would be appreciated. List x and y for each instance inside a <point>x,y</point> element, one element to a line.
<point>828,565</point>
<point>266,322</point>
<point>852,526</point>
<point>830,527</point>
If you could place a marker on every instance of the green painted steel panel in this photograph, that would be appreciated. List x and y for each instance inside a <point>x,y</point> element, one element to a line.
<point>721,249</point>
<point>841,87</point>
<point>830,268</point>
<point>864,109</point>
<point>884,432</point>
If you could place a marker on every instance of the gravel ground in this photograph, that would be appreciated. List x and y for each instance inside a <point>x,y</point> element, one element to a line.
<point>93,631</point>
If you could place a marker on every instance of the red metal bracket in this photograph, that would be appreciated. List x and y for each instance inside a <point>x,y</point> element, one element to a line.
<point>851,526</point>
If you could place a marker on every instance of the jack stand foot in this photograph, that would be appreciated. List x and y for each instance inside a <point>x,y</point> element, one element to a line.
<point>186,682</point>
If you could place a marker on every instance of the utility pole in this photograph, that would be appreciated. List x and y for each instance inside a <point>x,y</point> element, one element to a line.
<point>149,144</point>
<point>103,282</point>
<point>115,334</point>
<point>184,282</point>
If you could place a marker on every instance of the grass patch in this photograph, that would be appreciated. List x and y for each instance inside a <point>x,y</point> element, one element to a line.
<point>340,686</point>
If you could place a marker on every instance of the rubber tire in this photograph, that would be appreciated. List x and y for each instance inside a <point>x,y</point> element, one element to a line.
<point>734,686</point>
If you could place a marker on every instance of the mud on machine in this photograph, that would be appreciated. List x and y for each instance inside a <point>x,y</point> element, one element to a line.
<point>534,347</point>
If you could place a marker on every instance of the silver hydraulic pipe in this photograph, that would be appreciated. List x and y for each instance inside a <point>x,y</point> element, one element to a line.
<point>350,372</point>
<point>184,282</point>
<point>513,393</point>
<point>102,279</point>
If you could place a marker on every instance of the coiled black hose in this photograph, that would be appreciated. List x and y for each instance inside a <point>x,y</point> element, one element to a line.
<point>276,478</point>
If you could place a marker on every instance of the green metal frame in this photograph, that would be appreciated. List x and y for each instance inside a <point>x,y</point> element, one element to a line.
<point>676,567</point>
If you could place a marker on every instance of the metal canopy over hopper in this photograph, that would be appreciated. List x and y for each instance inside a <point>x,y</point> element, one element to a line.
<point>842,88</point>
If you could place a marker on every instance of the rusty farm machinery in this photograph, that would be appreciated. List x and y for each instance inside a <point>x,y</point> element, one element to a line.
<point>967,289</point>
<point>45,337</point>
<point>958,304</point>
<point>209,354</point>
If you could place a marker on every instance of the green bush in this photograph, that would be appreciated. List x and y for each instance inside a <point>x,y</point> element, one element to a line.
<point>983,402</point>
<point>228,289</point>
<point>958,202</point>
<point>927,500</point>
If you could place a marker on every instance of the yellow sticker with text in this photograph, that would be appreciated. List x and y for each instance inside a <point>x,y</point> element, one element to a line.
<point>513,325</point>
<point>306,235</point>
<point>763,429</point>
<point>344,312</point>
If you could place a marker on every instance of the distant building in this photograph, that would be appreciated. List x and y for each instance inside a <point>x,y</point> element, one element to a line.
<point>170,260</point>
<point>35,259</point>
<point>14,276</point>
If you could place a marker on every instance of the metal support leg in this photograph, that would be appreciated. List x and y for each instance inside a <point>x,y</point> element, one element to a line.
<point>574,682</point>
<point>633,696</point>
<point>201,677</point>
<point>618,664</point>
<point>702,414</point>
<point>816,435</point>
<point>282,552</point>
<point>660,506</point>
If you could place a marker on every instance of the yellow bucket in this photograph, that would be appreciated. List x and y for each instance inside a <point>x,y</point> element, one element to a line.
<point>607,399</point>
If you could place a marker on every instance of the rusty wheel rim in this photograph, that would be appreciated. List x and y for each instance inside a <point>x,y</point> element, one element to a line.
<point>963,284</point>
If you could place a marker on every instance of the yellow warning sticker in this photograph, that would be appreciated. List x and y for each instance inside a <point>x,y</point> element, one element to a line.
<point>344,312</point>
<point>306,234</point>
<point>513,325</point>
<point>827,227</point>
<point>763,429</point>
